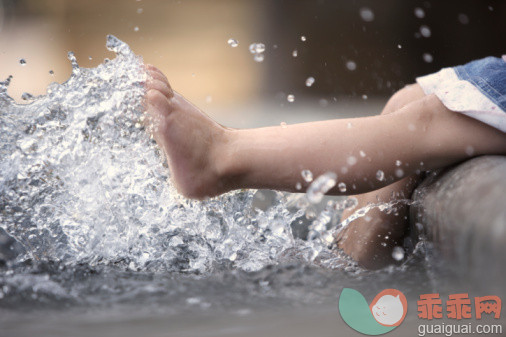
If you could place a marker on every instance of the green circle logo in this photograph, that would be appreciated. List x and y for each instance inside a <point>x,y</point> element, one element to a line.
<point>386,312</point>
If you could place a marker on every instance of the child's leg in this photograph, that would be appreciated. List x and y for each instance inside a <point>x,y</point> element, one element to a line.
<point>370,240</point>
<point>207,159</point>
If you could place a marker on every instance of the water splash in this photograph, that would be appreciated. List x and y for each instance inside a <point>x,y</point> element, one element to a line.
<point>320,187</point>
<point>82,182</point>
<point>85,190</point>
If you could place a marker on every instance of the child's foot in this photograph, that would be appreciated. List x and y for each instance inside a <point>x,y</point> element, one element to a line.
<point>190,139</point>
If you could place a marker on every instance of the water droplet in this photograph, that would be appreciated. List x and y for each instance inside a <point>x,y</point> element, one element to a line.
<point>26,96</point>
<point>362,154</point>
<point>342,187</point>
<point>469,150</point>
<point>290,98</point>
<point>259,57</point>
<point>295,53</point>
<point>307,175</point>
<point>233,42</point>
<point>283,125</point>
<point>256,48</point>
<point>309,81</point>
<point>366,14</point>
<point>352,160</point>
<point>398,253</point>
<point>427,57</point>
<point>51,72</point>
<point>136,29</point>
<point>320,186</point>
<point>380,175</point>
<point>351,65</point>
<point>399,173</point>
<point>398,163</point>
<point>399,46</point>
<point>298,186</point>
<point>310,213</point>
<point>22,62</point>
<point>419,13</point>
<point>303,38</point>
<point>73,62</point>
<point>349,125</point>
<point>364,97</point>
<point>463,19</point>
<point>425,31</point>
<point>140,10</point>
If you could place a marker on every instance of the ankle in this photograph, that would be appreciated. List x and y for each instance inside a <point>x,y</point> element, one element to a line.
<point>226,160</point>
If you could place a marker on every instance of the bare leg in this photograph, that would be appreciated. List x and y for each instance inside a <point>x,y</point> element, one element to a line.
<point>207,159</point>
<point>421,132</point>
<point>370,240</point>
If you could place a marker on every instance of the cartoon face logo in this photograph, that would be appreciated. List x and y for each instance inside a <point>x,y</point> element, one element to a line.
<point>385,313</point>
<point>389,307</point>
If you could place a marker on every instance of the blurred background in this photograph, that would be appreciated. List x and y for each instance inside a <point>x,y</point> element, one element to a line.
<point>359,52</point>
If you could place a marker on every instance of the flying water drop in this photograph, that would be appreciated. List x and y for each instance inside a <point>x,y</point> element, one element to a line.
<point>351,160</point>
<point>366,14</point>
<point>310,81</point>
<point>351,65</point>
<point>233,42</point>
<point>427,57</point>
<point>256,48</point>
<point>27,96</point>
<point>320,186</point>
<point>398,253</point>
<point>259,58</point>
<point>419,13</point>
<point>380,175</point>
<point>425,31</point>
<point>342,187</point>
<point>307,176</point>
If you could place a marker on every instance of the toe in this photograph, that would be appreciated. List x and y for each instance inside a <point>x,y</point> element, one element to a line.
<point>162,87</point>
<point>158,101</point>
<point>156,73</point>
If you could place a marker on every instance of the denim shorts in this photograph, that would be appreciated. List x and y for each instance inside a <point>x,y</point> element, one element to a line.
<point>476,89</point>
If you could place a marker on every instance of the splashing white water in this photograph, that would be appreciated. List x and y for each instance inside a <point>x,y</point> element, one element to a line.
<point>82,182</point>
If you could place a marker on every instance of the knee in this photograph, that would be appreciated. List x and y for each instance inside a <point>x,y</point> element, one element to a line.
<point>403,97</point>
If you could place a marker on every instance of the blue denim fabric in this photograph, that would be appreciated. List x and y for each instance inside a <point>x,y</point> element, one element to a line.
<point>489,76</point>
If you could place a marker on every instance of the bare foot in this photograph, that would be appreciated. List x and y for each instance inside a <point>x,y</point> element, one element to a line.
<point>190,139</point>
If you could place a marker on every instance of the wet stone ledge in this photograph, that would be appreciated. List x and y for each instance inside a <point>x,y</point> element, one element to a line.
<point>462,213</point>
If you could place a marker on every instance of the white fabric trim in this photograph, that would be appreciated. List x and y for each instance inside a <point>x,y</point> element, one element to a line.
<point>461,96</point>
